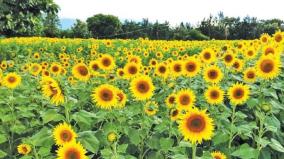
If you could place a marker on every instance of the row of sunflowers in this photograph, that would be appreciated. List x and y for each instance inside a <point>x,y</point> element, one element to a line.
<point>88,98</point>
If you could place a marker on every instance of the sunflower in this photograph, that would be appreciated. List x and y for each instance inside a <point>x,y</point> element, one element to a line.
<point>121,98</point>
<point>250,53</point>
<point>71,150</point>
<point>63,133</point>
<point>170,100</point>
<point>94,66</point>
<point>81,72</point>
<point>134,59</point>
<point>162,70</point>
<point>36,56</point>
<point>268,67</point>
<point>24,149</point>
<point>238,65</point>
<point>55,69</point>
<point>151,108</point>
<point>196,126</point>
<point>191,67</point>
<point>212,74</point>
<point>264,38</point>
<point>250,75</point>
<point>228,58</point>
<point>35,69</point>
<point>176,68</point>
<point>218,155</point>
<point>142,87</point>
<point>120,72</point>
<point>105,96</point>
<point>131,70</point>
<point>51,89</point>
<point>278,37</point>
<point>269,49</point>
<point>111,137</point>
<point>208,55</point>
<point>174,114</point>
<point>153,62</point>
<point>4,65</point>
<point>185,99</point>
<point>238,93</point>
<point>106,62</point>
<point>214,95</point>
<point>12,80</point>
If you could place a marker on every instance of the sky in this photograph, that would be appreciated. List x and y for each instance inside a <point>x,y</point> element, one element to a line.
<point>173,11</point>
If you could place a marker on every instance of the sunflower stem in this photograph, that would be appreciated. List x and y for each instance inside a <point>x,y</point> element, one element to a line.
<point>67,115</point>
<point>35,152</point>
<point>231,127</point>
<point>193,150</point>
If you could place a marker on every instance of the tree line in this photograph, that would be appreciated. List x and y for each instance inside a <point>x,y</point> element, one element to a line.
<point>39,18</point>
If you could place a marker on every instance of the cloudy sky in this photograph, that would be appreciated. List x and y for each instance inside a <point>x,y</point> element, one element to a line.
<point>174,11</point>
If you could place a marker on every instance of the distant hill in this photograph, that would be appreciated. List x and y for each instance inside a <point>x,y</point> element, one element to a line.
<point>67,23</point>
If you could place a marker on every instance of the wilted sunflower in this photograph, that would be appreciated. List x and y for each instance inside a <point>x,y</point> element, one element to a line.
<point>191,67</point>
<point>170,101</point>
<point>162,70</point>
<point>250,75</point>
<point>142,87</point>
<point>151,108</point>
<point>185,99</point>
<point>106,62</point>
<point>196,126</point>
<point>12,80</point>
<point>212,74</point>
<point>208,55</point>
<point>214,95</point>
<point>63,133</point>
<point>105,96</point>
<point>218,155</point>
<point>131,70</point>
<point>24,149</point>
<point>71,150</point>
<point>81,72</point>
<point>268,67</point>
<point>238,93</point>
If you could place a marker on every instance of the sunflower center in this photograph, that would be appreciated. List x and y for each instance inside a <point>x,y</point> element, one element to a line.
<point>238,93</point>
<point>132,70</point>
<point>175,113</point>
<point>171,100</point>
<point>217,157</point>
<point>106,62</point>
<point>25,149</point>
<point>153,62</point>
<point>195,123</point>
<point>12,79</point>
<point>250,75</point>
<point>212,74</point>
<point>278,38</point>
<point>83,70</point>
<point>236,65</point>
<point>267,66</point>
<point>228,58</point>
<point>66,135</point>
<point>121,73</point>
<point>162,69</point>
<point>207,56</point>
<point>106,95</point>
<point>95,67</point>
<point>264,39</point>
<point>214,94</point>
<point>184,99</point>
<point>143,87</point>
<point>55,68</point>
<point>269,51</point>
<point>120,97</point>
<point>72,153</point>
<point>177,68</point>
<point>250,53</point>
<point>190,66</point>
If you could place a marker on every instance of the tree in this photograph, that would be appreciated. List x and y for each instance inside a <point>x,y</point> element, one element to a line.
<point>50,25</point>
<point>80,29</point>
<point>24,17</point>
<point>104,26</point>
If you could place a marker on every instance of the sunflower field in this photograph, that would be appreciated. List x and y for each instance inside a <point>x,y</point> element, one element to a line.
<point>142,99</point>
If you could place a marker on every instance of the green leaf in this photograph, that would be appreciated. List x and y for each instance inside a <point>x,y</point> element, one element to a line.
<point>166,143</point>
<point>2,154</point>
<point>2,138</point>
<point>245,152</point>
<point>220,138</point>
<point>42,138</point>
<point>276,145</point>
<point>106,153</point>
<point>134,136</point>
<point>51,115</point>
<point>252,102</point>
<point>122,148</point>
<point>89,140</point>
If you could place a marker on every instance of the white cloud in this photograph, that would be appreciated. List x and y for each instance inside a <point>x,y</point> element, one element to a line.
<point>174,11</point>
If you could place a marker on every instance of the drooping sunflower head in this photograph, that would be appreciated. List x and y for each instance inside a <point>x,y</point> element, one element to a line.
<point>131,69</point>
<point>24,149</point>
<point>81,72</point>
<point>218,155</point>
<point>142,87</point>
<point>238,93</point>
<point>174,114</point>
<point>51,89</point>
<point>214,95</point>
<point>71,150</point>
<point>212,74</point>
<point>121,98</point>
<point>208,55</point>
<point>185,99</point>
<point>170,101</point>
<point>105,96</point>
<point>162,70</point>
<point>151,108</point>
<point>12,80</point>
<point>63,133</point>
<point>268,67</point>
<point>107,62</point>
<point>250,75</point>
<point>196,126</point>
<point>191,67</point>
